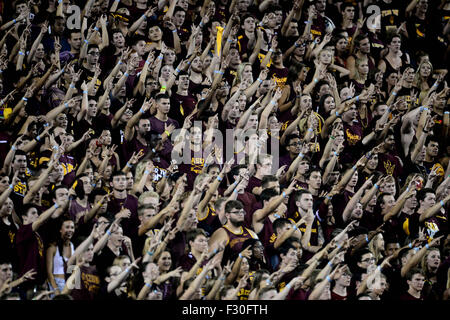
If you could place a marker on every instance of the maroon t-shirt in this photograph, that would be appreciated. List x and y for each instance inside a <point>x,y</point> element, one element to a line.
<point>89,284</point>
<point>131,225</point>
<point>134,145</point>
<point>30,251</point>
<point>249,201</point>
<point>406,296</point>
<point>187,261</point>
<point>335,296</point>
<point>299,294</point>
<point>181,106</point>
<point>253,182</point>
<point>353,135</point>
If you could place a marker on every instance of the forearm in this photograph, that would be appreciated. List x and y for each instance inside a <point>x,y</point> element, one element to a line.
<point>44,217</point>
<point>5,194</point>
<point>80,249</point>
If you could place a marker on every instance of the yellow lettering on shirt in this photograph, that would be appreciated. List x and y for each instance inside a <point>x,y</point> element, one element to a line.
<point>352,138</point>
<point>389,167</point>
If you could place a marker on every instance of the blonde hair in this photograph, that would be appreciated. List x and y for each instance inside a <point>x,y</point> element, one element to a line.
<point>424,264</point>
<point>147,194</point>
<point>238,78</point>
<point>374,249</point>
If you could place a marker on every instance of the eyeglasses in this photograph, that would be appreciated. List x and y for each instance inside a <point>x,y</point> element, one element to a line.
<point>295,143</point>
<point>94,53</point>
<point>368,260</point>
<point>238,212</point>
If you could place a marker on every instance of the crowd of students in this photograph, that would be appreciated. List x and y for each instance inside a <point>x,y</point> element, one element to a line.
<point>224,150</point>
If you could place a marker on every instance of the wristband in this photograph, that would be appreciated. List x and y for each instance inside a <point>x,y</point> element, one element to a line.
<point>14,148</point>
<point>177,70</point>
<point>108,232</point>
<point>86,41</point>
<point>66,104</point>
<point>21,53</point>
<point>379,268</point>
<point>146,172</point>
<point>308,22</point>
<point>144,16</point>
<point>174,30</point>
<point>329,198</point>
<point>146,284</point>
<point>273,102</point>
<point>288,286</point>
<point>276,215</point>
<point>188,63</point>
<point>270,50</point>
<point>241,256</point>
<point>93,185</point>
<point>446,112</point>
<point>117,0</point>
<point>260,81</point>
<point>71,86</point>
<point>201,24</point>
<point>367,239</point>
<point>126,74</point>
<point>235,183</point>
<point>24,99</point>
<point>219,72</point>
<point>268,282</point>
<point>85,92</point>
<point>219,178</point>
<point>120,63</point>
<point>284,194</point>
<point>55,147</point>
<point>376,186</point>
<point>141,110</point>
<point>416,249</point>
<point>215,251</point>
<point>427,246</point>
<point>435,85</point>
<point>335,153</point>
<point>222,278</point>
<point>56,206</point>
<point>310,129</point>
<point>167,133</point>
<point>339,246</point>
<point>11,186</point>
<point>337,114</point>
<point>38,138</point>
<point>295,227</point>
<point>235,190</point>
<point>129,165</point>
<point>357,98</point>
<point>354,168</point>
<point>160,57</point>
<point>149,253</point>
<point>410,245</point>
<point>296,45</point>
<point>95,28</point>
<point>328,278</point>
<point>127,270</point>
<point>301,154</point>
<point>14,21</point>
<point>442,203</point>
<point>316,80</point>
<point>394,93</point>
<point>330,264</point>
<point>207,277</point>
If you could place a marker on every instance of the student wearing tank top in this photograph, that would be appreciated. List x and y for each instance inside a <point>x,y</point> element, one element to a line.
<point>58,253</point>
<point>232,233</point>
